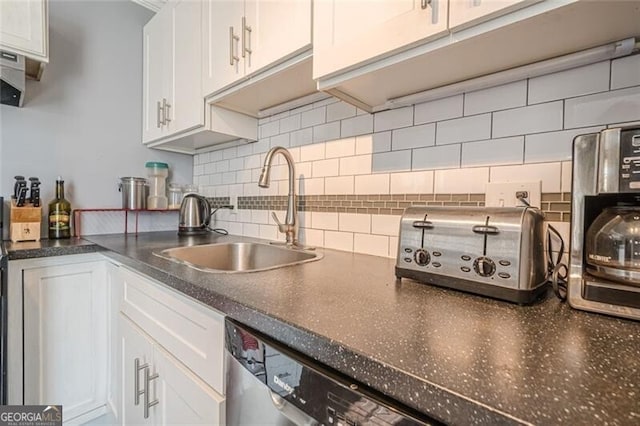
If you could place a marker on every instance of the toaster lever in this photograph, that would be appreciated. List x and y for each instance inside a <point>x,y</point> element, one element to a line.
<point>422,224</point>
<point>485,229</point>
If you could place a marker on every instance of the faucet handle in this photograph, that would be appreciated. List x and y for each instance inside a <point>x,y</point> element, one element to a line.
<point>281,227</point>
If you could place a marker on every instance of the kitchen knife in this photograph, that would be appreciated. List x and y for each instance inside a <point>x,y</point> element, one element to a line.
<point>17,185</point>
<point>22,196</point>
<point>35,191</point>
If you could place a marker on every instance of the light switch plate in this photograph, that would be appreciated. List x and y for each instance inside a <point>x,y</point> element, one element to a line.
<point>503,194</point>
<point>233,202</point>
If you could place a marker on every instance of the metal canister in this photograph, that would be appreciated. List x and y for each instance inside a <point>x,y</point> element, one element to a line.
<point>134,193</point>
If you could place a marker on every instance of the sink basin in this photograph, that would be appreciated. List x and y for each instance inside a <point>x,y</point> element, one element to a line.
<point>238,257</point>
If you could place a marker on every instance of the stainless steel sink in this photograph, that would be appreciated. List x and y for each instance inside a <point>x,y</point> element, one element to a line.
<point>238,257</point>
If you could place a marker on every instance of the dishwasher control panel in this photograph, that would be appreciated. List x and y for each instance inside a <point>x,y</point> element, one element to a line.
<point>302,391</point>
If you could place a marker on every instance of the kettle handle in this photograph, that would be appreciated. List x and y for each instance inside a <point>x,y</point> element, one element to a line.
<point>208,208</point>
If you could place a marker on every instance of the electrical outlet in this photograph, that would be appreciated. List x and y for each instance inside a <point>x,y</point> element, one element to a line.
<point>233,202</point>
<point>506,194</point>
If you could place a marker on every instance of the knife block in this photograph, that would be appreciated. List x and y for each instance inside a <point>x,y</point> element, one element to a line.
<point>25,222</point>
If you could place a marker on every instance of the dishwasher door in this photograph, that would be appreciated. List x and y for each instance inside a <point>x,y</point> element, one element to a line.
<point>269,384</point>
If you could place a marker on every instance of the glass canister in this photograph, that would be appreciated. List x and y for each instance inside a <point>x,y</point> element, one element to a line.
<point>175,196</point>
<point>157,178</point>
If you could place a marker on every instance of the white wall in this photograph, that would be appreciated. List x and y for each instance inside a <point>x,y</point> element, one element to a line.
<point>521,131</point>
<point>83,119</point>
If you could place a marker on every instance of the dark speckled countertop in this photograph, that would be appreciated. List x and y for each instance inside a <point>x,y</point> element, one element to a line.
<point>460,358</point>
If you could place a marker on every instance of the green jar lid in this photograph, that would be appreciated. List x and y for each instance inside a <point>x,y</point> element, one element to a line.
<point>156,164</point>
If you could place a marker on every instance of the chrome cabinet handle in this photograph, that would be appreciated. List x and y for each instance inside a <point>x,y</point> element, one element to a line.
<point>165,110</point>
<point>232,57</point>
<point>160,115</point>
<point>136,382</point>
<point>246,29</point>
<point>424,3</point>
<point>434,9</point>
<point>147,381</point>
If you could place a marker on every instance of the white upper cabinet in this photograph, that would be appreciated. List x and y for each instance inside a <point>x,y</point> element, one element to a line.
<point>257,53</point>
<point>348,32</point>
<point>375,53</point>
<point>24,28</point>
<point>463,13</point>
<point>246,37</point>
<point>172,92</point>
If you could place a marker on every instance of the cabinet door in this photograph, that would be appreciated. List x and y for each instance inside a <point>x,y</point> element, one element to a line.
<point>183,398</point>
<point>463,13</point>
<point>114,290</point>
<point>156,72</point>
<point>65,337</point>
<point>265,40</point>
<point>348,32</point>
<point>24,27</point>
<point>187,102</point>
<point>137,351</point>
<point>222,22</point>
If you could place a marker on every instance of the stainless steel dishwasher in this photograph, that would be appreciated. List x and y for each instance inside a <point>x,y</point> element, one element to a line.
<point>269,384</point>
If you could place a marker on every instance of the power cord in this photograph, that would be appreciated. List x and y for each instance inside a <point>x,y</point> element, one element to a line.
<point>220,231</point>
<point>557,272</point>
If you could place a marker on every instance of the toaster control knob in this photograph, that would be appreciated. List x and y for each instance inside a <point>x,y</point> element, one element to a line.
<point>484,266</point>
<point>422,257</point>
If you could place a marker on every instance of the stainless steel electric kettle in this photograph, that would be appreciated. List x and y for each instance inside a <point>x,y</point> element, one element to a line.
<point>195,215</point>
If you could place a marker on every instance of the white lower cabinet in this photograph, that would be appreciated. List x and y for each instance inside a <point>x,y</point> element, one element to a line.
<point>172,351</point>
<point>159,389</point>
<point>65,335</point>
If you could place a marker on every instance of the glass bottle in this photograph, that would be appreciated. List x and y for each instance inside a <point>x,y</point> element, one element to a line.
<point>59,214</point>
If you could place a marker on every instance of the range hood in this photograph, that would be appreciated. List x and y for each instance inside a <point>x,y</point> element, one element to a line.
<point>12,78</point>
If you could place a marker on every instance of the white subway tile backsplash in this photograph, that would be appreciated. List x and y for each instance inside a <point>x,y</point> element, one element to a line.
<point>312,237</point>
<point>312,152</point>
<point>340,148</point>
<point>326,132</point>
<point>375,245</point>
<point>269,232</point>
<point>473,128</point>
<point>280,140</point>
<point>313,117</point>
<point>393,119</point>
<point>228,178</point>
<point>495,151</point>
<point>252,162</point>
<point>438,110</point>
<point>210,168</point>
<point>250,189</point>
<point>244,150</point>
<point>260,216</point>
<point>566,84</point>
<point>413,137</point>
<point>381,142</point>
<point>548,173</point>
<point>602,108</point>
<point>251,230</point>
<point>412,182</point>
<point>356,165</point>
<point>338,240</point>
<point>625,72</point>
<point>324,220</point>
<point>291,123</point>
<point>461,181</point>
<point>261,146</point>
<point>383,224</point>
<point>364,144</point>
<point>339,185</point>
<point>497,98</point>
<point>354,222</point>
<point>229,153</point>
<point>531,119</point>
<point>236,164</point>
<point>311,186</point>
<point>198,169</point>
<point>552,146</point>
<point>324,168</point>
<point>565,183</point>
<point>301,137</point>
<point>358,125</point>
<point>324,102</point>
<point>304,169</point>
<point>269,129</point>
<point>243,176</point>
<point>436,157</point>
<point>372,184</point>
<point>391,161</point>
<point>339,111</point>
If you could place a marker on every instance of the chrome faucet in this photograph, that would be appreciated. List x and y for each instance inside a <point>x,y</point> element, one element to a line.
<point>290,225</point>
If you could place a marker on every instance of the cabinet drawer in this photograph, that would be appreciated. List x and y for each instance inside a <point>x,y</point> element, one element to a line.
<point>190,332</point>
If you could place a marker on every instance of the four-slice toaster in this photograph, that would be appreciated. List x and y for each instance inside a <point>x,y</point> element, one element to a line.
<point>496,252</point>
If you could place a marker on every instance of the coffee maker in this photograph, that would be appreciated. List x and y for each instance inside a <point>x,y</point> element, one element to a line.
<point>604,271</point>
